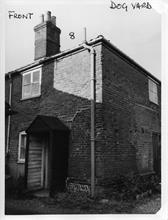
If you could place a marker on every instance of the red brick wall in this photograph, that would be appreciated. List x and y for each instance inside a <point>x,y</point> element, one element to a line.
<point>72,74</point>
<point>127,111</point>
<point>65,93</point>
<point>125,119</point>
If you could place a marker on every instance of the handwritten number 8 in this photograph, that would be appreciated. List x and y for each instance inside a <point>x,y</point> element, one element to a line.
<point>72,35</point>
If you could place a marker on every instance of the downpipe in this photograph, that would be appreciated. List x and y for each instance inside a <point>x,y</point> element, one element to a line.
<point>93,99</point>
<point>9,116</point>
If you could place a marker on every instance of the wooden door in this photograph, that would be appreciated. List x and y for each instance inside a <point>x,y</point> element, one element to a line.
<point>35,162</point>
<point>45,164</point>
<point>156,153</point>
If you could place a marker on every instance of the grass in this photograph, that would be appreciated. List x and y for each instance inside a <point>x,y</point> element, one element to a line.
<point>120,197</point>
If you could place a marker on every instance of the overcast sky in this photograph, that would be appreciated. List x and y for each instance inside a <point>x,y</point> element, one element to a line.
<point>135,32</point>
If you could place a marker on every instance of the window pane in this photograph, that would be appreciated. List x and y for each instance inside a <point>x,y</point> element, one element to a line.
<point>154,85</point>
<point>26,79</point>
<point>156,99</point>
<point>154,88</point>
<point>26,91</point>
<point>23,140</point>
<point>153,95</point>
<point>22,153</point>
<point>35,89</point>
<point>36,76</point>
<point>22,147</point>
<point>31,84</point>
<point>150,85</point>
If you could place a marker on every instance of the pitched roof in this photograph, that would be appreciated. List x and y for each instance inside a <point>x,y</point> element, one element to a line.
<point>46,123</point>
<point>94,41</point>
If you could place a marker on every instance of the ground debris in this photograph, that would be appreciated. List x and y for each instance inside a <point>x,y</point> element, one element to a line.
<point>70,204</point>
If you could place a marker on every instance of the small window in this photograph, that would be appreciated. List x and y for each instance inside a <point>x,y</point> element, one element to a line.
<point>153,92</point>
<point>22,147</point>
<point>31,84</point>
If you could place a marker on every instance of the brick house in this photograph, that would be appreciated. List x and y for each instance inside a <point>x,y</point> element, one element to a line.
<point>57,117</point>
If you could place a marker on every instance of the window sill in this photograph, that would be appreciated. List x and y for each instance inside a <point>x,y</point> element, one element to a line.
<point>147,173</point>
<point>21,162</point>
<point>32,97</point>
<point>154,103</point>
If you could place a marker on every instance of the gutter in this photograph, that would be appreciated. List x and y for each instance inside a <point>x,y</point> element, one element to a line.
<point>9,116</point>
<point>93,100</point>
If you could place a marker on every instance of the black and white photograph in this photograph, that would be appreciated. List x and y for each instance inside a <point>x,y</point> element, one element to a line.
<point>82,107</point>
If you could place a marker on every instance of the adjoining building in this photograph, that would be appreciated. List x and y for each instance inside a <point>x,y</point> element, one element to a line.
<point>90,97</point>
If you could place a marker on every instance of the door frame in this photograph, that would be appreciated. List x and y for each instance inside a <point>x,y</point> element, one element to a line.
<point>48,125</point>
<point>156,152</point>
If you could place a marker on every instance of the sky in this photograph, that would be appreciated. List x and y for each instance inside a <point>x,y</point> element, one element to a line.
<point>136,32</point>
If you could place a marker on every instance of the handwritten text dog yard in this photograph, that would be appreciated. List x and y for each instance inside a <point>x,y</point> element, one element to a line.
<point>134,6</point>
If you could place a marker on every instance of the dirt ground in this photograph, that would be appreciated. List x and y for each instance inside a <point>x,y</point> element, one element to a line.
<point>150,205</point>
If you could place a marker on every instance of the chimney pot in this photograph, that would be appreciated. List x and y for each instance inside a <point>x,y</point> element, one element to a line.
<point>42,18</point>
<point>85,38</point>
<point>53,20</point>
<point>48,16</point>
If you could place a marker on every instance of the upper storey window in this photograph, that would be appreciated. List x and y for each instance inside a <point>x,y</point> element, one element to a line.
<point>153,91</point>
<point>31,84</point>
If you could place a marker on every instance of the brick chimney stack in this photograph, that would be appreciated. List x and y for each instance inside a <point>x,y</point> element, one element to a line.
<point>47,37</point>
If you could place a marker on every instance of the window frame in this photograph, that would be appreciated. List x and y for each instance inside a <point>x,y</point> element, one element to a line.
<point>19,146</point>
<point>152,93</point>
<point>31,83</point>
